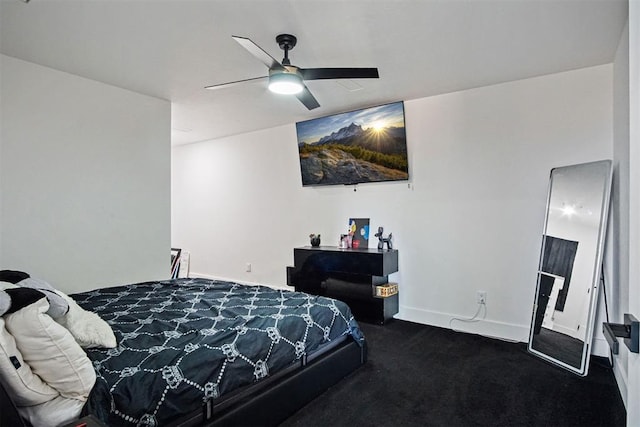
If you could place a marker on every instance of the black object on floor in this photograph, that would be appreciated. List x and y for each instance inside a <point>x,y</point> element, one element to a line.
<point>420,375</point>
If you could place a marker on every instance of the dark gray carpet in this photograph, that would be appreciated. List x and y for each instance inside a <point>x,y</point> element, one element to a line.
<point>420,375</point>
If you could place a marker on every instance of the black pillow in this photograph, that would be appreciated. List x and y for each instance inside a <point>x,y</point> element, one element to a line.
<point>13,276</point>
<point>22,297</point>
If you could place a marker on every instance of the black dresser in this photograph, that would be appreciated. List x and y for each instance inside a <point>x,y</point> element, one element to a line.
<point>349,275</point>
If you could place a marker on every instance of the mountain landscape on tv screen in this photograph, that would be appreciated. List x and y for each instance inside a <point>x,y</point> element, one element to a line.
<point>353,154</point>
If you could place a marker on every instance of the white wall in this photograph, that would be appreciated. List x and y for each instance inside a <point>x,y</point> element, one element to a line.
<point>633,380</point>
<point>471,218</point>
<point>84,174</point>
<point>624,277</point>
<point>617,255</point>
<point>1,121</point>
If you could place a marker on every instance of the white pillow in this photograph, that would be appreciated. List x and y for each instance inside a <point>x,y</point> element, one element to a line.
<point>87,327</point>
<point>51,351</point>
<point>5,302</point>
<point>7,285</point>
<point>58,306</point>
<point>54,413</point>
<point>21,383</point>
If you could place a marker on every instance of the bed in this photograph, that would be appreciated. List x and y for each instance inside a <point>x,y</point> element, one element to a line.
<point>207,352</point>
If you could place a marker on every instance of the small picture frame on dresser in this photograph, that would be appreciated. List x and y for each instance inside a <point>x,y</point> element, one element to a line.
<point>359,231</point>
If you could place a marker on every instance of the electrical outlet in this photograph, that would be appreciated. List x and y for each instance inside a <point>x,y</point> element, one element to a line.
<point>248,268</point>
<point>481,297</point>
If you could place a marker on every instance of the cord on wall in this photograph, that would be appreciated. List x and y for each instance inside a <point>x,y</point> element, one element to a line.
<point>482,307</point>
<point>473,319</point>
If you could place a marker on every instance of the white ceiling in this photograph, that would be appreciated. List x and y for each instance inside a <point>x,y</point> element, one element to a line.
<point>172,49</point>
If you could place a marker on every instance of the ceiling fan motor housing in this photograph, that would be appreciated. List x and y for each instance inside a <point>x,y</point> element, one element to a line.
<point>286,69</point>
<point>287,80</point>
<point>286,43</point>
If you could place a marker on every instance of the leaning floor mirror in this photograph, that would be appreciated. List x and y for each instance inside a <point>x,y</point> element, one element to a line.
<point>569,271</point>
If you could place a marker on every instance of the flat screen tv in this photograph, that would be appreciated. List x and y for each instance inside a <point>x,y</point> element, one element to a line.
<point>367,145</point>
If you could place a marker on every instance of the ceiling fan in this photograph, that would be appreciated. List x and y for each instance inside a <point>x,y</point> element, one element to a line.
<point>289,79</point>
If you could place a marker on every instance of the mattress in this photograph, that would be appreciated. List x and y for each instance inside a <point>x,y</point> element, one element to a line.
<point>186,341</point>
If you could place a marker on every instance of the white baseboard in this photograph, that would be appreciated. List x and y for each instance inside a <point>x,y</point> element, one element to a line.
<point>489,328</point>
<point>567,331</point>
<point>620,373</point>
<point>600,347</point>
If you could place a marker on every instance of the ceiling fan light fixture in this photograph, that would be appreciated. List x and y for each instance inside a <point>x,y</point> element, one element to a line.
<point>288,79</point>
<point>285,83</point>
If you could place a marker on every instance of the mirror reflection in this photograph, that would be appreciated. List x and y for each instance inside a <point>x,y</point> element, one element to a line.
<point>570,264</point>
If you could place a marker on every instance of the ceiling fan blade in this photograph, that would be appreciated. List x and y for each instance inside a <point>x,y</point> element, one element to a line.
<point>258,52</point>
<point>338,73</point>
<point>231,84</point>
<point>307,99</point>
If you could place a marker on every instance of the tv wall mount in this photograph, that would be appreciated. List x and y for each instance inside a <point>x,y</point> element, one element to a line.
<point>629,331</point>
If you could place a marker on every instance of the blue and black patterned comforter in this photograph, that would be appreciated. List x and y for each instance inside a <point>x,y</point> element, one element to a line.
<point>184,341</point>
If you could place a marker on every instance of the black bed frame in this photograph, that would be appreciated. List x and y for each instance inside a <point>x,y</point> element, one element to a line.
<point>267,403</point>
<point>272,401</point>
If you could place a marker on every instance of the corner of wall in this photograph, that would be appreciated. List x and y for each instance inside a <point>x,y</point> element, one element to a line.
<point>97,211</point>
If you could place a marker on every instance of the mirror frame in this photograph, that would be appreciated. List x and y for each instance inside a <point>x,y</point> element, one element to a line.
<point>597,271</point>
